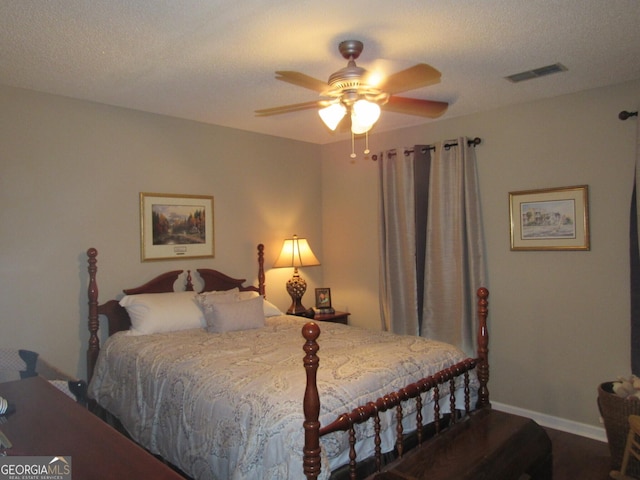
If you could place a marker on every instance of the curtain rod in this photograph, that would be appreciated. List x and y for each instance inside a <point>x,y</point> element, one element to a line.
<point>447,146</point>
<point>472,143</point>
<point>623,115</point>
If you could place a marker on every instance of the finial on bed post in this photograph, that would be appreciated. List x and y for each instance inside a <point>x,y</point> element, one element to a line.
<point>188,283</point>
<point>94,324</point>
<point>311,452</point>
<point>261,269</point>
<point>483,348</point>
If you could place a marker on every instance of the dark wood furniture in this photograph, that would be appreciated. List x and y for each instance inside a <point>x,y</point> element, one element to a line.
<point>489,445</point>
<point>337,317</point>
<point>47,422</point>
<point>118,320</point>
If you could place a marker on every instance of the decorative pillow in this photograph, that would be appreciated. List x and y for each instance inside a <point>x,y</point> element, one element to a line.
<point>247,295</point>
<point>270,310</point>
<point>231,316</point>
<point>225,296</point>
<point>162,312</point>
<point>234,291</point>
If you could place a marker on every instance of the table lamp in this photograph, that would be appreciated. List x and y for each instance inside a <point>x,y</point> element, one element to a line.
<point>296,253</point>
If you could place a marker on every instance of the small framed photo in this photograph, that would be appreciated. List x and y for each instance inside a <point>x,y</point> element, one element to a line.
<point>323,298</point>
<point>175,226</point>
<point>550,219</point>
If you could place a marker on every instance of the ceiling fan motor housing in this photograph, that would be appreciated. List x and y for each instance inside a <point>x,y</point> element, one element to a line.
<point>347,78</point>
<point>349,83</point>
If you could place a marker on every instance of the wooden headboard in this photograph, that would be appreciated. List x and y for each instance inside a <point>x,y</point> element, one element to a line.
<point>118,318</point>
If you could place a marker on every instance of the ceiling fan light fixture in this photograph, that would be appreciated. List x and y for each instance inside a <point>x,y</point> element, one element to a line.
<point>361,93</point>
<point>364,115</point>
<point>358,128</point>
<point>332,115</point>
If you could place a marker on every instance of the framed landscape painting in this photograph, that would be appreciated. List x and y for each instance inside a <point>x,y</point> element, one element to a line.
<point>176,226</point>
<point>550,219</point>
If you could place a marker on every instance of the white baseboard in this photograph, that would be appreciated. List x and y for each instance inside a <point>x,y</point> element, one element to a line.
<point>577,428</point>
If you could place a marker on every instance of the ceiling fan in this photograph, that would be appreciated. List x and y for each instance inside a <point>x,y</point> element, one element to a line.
<point>361,93</point>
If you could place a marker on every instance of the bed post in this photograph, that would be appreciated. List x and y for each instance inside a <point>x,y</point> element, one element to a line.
<point>94,342</point>
<point>483,348</point>
<point>261,288</point>
<point>311,451</point>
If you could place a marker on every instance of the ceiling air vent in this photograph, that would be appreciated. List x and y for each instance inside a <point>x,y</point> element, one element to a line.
<point>536,72</point>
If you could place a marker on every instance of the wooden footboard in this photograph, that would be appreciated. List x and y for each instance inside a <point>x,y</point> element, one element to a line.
<point>346,422</point>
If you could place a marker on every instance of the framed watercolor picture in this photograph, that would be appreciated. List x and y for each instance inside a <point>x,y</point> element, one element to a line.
<point>550,219</point>
<point>175,226</point>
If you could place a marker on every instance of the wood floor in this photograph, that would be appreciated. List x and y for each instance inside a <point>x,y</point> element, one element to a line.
<point>579,458</point>
<point>576,457</point>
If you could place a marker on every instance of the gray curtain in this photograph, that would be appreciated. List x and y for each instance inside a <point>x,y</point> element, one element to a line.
<point>432,246</point>
<point>398,289</point>
<point>454,259</point>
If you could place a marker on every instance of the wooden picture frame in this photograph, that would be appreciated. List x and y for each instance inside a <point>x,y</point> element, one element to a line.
<point>323,297</point>
<point>176,226</point>
<point>550,219</point>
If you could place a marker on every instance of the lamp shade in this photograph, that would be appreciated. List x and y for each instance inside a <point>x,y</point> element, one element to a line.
<point>296,252</point>
<point>332,114</point>
<point>364,114</point>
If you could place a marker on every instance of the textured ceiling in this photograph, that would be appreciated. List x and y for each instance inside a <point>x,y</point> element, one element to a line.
<point>214,60</point>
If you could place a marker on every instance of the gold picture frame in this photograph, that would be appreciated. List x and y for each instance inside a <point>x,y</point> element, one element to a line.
<point>550,219</point>
<point>176,226</point>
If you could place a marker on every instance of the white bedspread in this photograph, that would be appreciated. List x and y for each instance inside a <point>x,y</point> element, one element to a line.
<point>229,406</point>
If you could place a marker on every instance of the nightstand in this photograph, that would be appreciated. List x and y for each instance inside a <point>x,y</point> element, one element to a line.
<point>338,317</point>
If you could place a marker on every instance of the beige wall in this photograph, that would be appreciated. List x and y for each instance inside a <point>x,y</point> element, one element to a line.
<point>559,321</point>
<point>70,176</point>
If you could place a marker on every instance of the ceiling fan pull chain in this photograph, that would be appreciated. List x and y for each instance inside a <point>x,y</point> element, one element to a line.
<point>366,143</point>
<point>353,146</point>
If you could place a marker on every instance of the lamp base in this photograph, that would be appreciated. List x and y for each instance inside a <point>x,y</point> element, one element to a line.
<point>296,308</point>
<point>296,286</point>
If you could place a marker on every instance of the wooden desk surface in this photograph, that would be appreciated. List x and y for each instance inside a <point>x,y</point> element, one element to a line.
<point>47,422</point>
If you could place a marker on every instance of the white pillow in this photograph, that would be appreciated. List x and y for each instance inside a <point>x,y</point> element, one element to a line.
<point>162,312</point>
<point>270,310</point>
<point>231,316</point>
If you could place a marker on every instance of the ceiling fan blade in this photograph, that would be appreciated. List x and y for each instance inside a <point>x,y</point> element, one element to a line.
<point>420,75</point>
<point>415,106</point>
<point>302,80</point>
<point>288,108</point>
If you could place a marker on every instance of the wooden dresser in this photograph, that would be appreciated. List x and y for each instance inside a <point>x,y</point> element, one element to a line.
<point>47,422</point>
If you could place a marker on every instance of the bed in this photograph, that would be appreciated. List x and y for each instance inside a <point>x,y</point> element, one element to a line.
<point>236,393</point>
